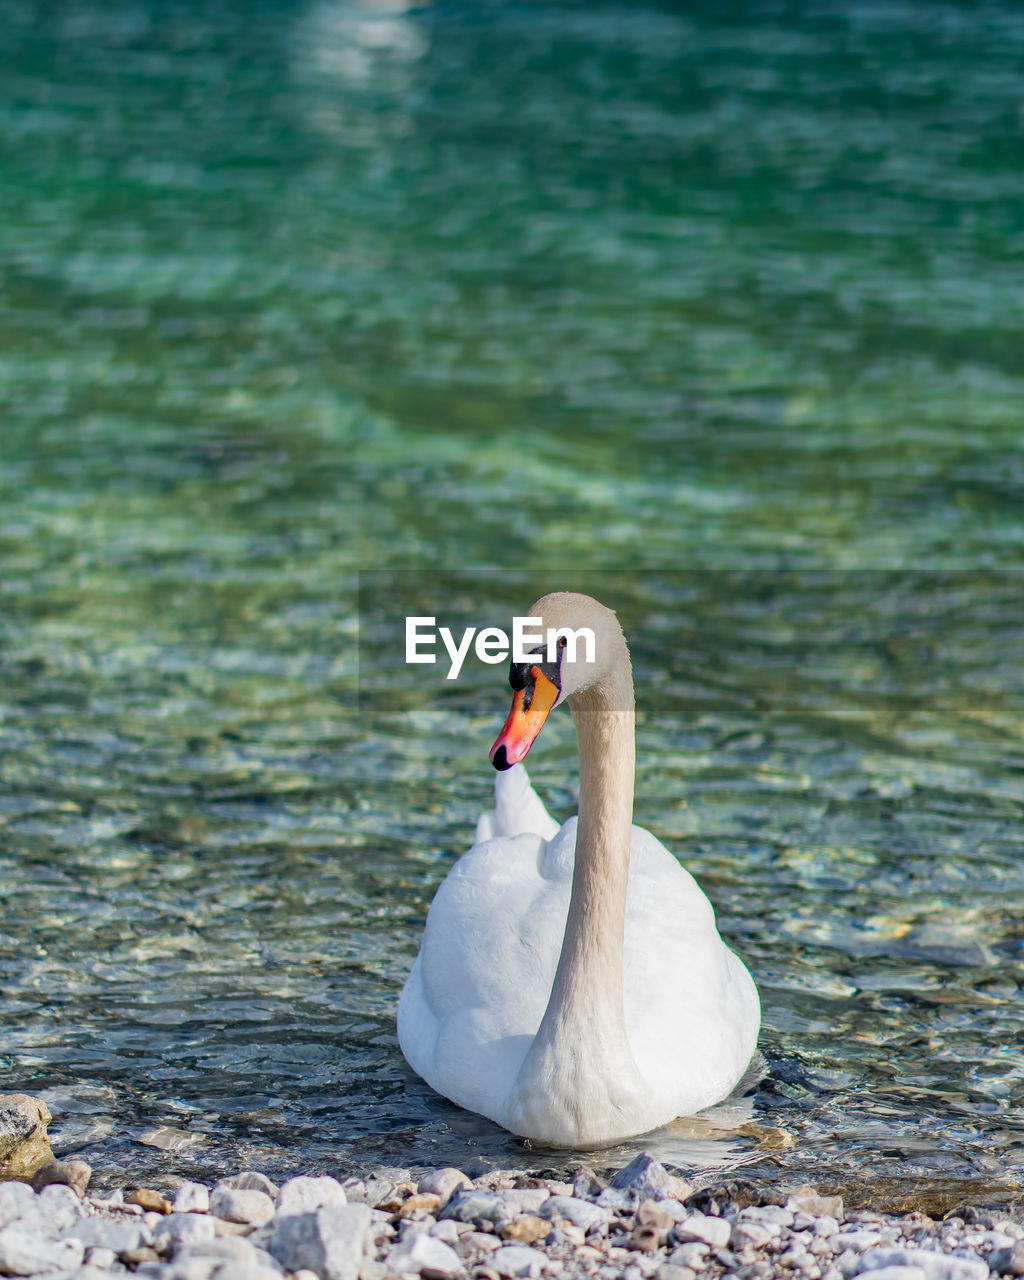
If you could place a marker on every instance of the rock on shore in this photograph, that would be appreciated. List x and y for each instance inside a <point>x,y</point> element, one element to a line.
<point>24,1146</point>
<point>646,1224</point>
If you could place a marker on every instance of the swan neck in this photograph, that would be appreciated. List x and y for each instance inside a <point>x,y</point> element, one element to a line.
<point>586,997</point>
<point>597,910</point>
<point>580,1069</point>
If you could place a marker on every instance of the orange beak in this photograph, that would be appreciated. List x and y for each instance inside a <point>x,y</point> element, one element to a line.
<point>524,723</point>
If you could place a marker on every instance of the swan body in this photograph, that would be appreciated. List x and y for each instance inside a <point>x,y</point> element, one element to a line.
<point>571,984</point>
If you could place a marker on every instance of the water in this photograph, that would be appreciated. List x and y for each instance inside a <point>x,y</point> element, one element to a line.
<point>722,304</point>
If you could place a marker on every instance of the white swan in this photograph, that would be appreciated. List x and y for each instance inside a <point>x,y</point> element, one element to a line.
<point>571,984</point>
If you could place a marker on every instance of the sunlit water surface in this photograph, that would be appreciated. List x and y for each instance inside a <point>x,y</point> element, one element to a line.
<point>725,305</point>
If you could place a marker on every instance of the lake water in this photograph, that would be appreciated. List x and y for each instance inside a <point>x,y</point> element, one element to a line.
<point>714,313</point>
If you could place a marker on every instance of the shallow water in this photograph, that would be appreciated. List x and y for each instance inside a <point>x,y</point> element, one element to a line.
<point>722,305</point>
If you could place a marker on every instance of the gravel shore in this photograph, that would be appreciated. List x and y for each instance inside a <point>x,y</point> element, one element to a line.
<point>643,1224</point>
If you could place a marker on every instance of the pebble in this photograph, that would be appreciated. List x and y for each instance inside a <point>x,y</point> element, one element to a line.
<point>101,1234</point>
<point>895,1273</point>
<point>526,1229</point>
<point>69,1173</point>
<point>249,1180</point>
<point>178,1229</point>
<point>715,1232</point>
<point>53,1209</point>
<point>669,1271</point>
<point>100,1259</point>
<point>753,1235</point>
<point>518,1260</point>
<point>305,1195</point>
<point>477,1207</point>
<point>26,1253</point>
<point>856,1240</point>
<point>16,1199</point>
<point>693,1256</point>
<point>1007,1261</point>
<point>934,1265</point>
<point>149,1201</point>
<point>232,1248</point>
<point>647,1179</point>
<point>329,1241</point>
<point>645,1238</point>
<point>442,1183</point>
<point>191,1197</point>
<point>581,1213</point>
<point>660,1214</point>
<point>24,1145</point>
<point>447,1231</point>
<point>525,1199</point>
<point>390,1225</point>
<point>243,1205</point>
<point>808,1201</point>
<point>419,1206</point>
<point>480,1242</point>
<point>419,1252</point>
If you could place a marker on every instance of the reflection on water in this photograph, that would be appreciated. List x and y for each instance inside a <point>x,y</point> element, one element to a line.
<point>293,291</point>
<point>359,46</point>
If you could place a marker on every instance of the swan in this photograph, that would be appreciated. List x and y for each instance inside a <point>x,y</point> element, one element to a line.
<point>571,984</point>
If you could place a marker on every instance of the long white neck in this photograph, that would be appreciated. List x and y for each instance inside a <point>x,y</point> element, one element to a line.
<point>588,981</point>
<point>579,1068</point>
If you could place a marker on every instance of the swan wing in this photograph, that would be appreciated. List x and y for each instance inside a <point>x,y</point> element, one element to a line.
<point>518,809</point>
<point>692,1010</point>
<point>478,988</point>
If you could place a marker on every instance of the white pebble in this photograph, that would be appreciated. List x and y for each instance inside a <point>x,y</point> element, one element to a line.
<point>181,1229</point>
<point>419,1252</point>
<point>304,1195</point>
<point>191,1197</point>
<point>518,1260</point>
<point>581,1213</point>
<point>936,1266</point>
<point>698,1226</point>
<point>242,1205</point>
<point>693,1255</point>
<point>768,1213</point>
<point>25,1253</point>
<point>100,1257</point>
<point>442,1182</point>
<point>895,1273</point>
<point>753,1235</point>
<point>856,1240</point>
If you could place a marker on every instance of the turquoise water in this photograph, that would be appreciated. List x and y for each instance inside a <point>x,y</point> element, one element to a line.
<point>715,314</point>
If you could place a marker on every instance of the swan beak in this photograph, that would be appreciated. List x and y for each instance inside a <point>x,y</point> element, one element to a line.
<point>524,721</point>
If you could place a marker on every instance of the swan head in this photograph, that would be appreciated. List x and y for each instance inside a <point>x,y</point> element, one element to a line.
<point>576,665</point>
